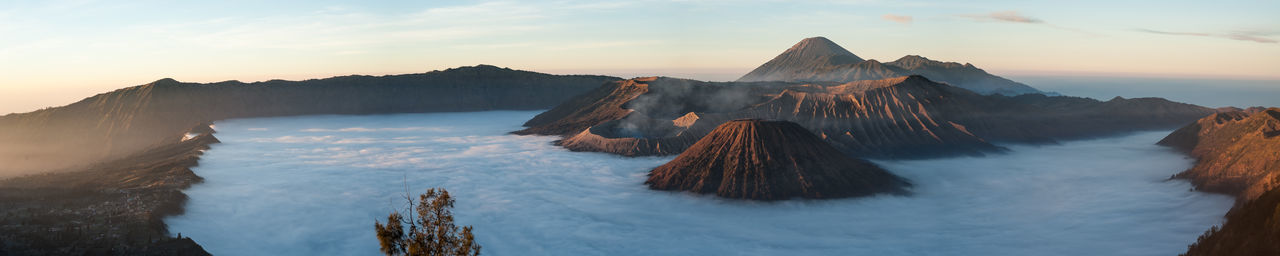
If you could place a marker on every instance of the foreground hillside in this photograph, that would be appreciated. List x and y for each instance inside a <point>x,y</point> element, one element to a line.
<point>1237,153</point>
<point>1252,228</point>
<point>125,121</point>
<point>903,117</point>
<point>110,208</point>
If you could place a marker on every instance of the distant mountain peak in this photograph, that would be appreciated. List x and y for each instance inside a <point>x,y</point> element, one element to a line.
<point>165,81</point>
<point>917,61</point>
<point>814,53</point>
<point>479,67</point>
<point>913,58</point>
<point>819,46</point>
<point>818,59</point>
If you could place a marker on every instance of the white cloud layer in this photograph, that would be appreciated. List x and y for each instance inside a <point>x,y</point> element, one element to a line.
<point>1004,16</point>
<point>313,195</point>
<point>1252,36</point>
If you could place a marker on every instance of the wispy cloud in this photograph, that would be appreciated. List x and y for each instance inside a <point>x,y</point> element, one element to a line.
<point>1016,17</point>
<point>904,19</point>
<point>1003,16</point>
<point>1253,36</point>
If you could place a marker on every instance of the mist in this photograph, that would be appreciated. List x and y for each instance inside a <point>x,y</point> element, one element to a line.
<point>316,184</point>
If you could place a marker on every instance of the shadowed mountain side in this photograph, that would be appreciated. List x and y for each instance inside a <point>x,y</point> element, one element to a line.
<point>903,117</point>
<point>1036,118</point>
<point>770,160</point>
<point>124,121</point>
<point>1237,152</point>
<point>109,208</point>
<point>1253,228</point>
<point>819,59</point>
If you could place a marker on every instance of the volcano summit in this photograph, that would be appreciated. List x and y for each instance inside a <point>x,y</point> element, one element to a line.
<point>770,160</point>
<point>818,59</point>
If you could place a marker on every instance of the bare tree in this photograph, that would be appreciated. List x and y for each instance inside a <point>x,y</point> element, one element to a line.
<point>431,233</point>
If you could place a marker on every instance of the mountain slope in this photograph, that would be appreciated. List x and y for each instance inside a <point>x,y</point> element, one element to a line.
<point>963,75</point>
<point>770,160</point>
<point>818,59</point>
<point>110,208</point>
<point>902,117</point>
<point>124,121</point>
<point>1237,153</point>
<point>1253,228</point>
<point>807,56</point>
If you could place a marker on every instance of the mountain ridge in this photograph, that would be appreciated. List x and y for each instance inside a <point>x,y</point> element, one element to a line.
<point>897,118</point>
<point>123,121</point>
<point>1237,153</point>
<point>802,64</point>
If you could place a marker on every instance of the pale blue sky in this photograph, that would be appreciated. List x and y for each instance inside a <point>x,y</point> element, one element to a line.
<point>56,52</point>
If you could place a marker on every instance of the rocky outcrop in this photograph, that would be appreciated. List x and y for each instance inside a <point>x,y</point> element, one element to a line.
<point>658,137</point>
<point>770,160</point>
<point>818,59</point>
<point>125,121</point>
<point>889,118</point>
<point>1237,152</point>
<point>596,106</point>
<point>902,117</point>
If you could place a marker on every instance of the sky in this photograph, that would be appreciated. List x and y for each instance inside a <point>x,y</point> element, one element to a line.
<point>56,52</point>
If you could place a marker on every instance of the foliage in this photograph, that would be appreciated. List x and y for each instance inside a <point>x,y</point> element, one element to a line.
<point>430,232</point>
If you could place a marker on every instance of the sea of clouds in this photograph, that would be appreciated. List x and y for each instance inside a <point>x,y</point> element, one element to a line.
<point>314,185</point>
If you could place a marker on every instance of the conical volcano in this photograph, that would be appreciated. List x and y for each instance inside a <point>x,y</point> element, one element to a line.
<point>817,47</point>
<point>817,59</point>
<point>771,160</point>
<point>808,56</point>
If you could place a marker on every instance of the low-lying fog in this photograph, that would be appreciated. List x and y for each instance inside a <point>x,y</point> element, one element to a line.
<point>315,185</point>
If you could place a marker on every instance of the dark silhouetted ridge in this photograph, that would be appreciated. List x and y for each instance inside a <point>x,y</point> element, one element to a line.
<point>124,121</point>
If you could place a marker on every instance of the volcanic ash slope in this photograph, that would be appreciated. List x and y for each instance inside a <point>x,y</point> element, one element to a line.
<point>771,160</point>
